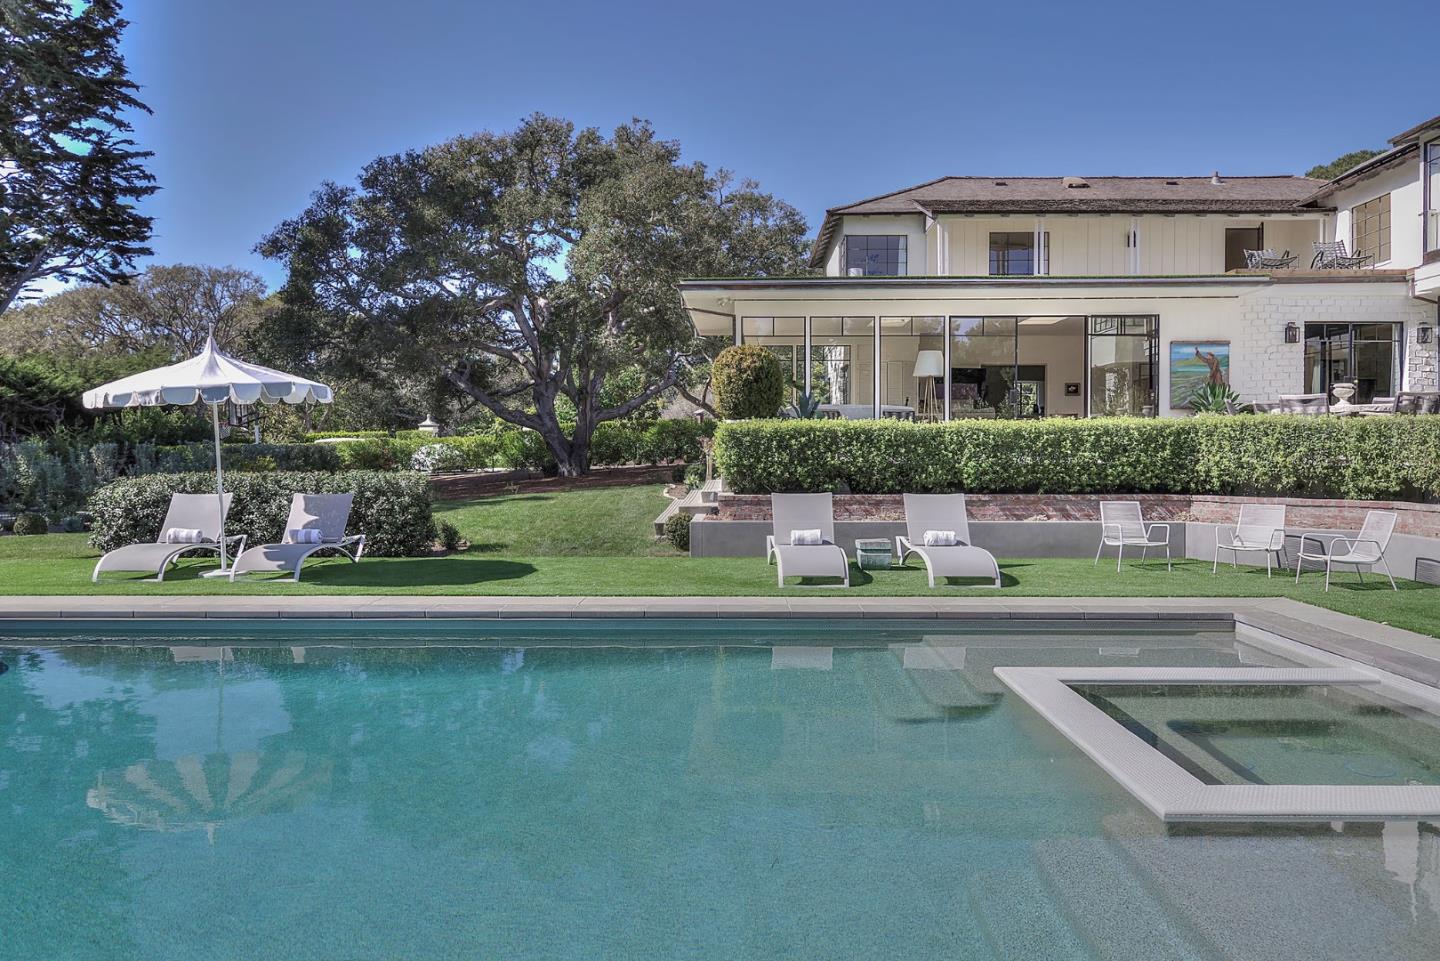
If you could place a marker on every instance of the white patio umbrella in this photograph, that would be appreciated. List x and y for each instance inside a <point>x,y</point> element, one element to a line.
<point>214,377</point>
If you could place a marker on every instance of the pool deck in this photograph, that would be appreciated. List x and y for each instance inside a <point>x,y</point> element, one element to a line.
<point>1402,652</point>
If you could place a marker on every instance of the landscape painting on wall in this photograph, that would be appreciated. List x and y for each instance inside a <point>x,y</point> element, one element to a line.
<point>1195,363</point>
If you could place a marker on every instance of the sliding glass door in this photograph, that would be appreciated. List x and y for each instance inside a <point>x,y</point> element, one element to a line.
<point>1366,355</point>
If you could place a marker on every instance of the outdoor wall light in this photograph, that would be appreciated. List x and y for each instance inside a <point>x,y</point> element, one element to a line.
<point>1424,333</point>
<point>1292,333</point>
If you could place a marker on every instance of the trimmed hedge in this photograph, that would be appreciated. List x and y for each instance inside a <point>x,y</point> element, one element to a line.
<point>181,458</point>
<point>392,509</point>
<point>1359,458</point>
<point>747,382</point>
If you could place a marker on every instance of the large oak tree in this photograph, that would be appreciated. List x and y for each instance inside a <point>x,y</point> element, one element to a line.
<point>70,175</point>
<point>528,267</point>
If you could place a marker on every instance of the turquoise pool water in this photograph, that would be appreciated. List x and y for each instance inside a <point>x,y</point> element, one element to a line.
<point>247,791</point>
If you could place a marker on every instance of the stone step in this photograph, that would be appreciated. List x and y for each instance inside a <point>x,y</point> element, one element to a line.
<point>1122,916</point>
<point>1020,919</point>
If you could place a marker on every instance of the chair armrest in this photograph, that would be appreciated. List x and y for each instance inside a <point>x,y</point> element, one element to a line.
<point>1324,550</point>
<point>1350,543</point>
<point>1105,528</point>
<point>1278,535</point>
<point>1151,527</point>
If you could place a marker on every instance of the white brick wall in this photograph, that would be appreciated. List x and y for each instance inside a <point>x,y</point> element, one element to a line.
<point>1263,366</point>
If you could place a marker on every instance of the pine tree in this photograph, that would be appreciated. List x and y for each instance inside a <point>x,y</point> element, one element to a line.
<point>70,175</point>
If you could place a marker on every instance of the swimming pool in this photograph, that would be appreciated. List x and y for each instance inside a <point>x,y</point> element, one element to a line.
<point>626,790</point>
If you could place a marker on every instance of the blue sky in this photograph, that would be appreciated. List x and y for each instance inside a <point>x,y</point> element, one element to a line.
<point>257,102</point>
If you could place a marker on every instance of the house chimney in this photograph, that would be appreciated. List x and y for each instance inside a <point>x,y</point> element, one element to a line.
<point>1215,178</point>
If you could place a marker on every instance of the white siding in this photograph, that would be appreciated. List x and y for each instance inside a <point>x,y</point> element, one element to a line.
<point>912,227</point>
<point>1406,197</point>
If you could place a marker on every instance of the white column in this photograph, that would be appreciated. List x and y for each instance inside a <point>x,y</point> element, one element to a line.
<point>875,389</point>
<point>945,346</point>
<point>1037,246</point>
<point>806,360</point>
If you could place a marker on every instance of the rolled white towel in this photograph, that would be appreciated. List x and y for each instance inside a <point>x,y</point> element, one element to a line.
<point>807,537</point>
<point>304,535</point>
<point>940,539</point>
<point>184,535</point>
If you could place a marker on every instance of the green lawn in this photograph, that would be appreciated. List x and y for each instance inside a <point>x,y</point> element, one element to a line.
<point>598,542</point>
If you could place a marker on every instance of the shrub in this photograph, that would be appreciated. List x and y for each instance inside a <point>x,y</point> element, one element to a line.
<point>31,524</point>
<point>315,435</point>
<point>677,528</point>
<point>182,458</point>
<point>434,458</point>
<point>448,535</point>
<point>748,382</point>
<point>694,475</point>
<point>1359,458</point>
<point>392,509</point>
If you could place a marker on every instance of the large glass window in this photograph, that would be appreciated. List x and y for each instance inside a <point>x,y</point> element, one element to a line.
<point>875,256</point>
<point>842,365</point>
<point>1366,355</point>
<point>1370,229</point>
<point>912,367</point>
<point>1123,376</point>
<point>785,338</point>
<point>1012,253</point>
<point>1432,199</point>
<point>982,367</point>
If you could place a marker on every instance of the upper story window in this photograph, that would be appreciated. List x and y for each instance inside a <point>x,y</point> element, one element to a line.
<point>1370,228</point>
<point>879,255</point>
<point>1012,253</point>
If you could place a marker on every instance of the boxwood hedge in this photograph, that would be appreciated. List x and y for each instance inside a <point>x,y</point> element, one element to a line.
<point>391,508</point>
<point>1362,458</point>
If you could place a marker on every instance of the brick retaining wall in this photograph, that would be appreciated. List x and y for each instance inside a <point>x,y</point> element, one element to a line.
<point>1419,519</point>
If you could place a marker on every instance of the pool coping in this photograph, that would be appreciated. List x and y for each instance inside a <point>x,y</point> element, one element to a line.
<point>1405,653</point>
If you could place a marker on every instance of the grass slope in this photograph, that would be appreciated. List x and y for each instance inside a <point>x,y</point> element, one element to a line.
<point>597,542</point>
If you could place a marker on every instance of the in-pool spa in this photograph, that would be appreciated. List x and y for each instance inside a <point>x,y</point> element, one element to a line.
<point>678,790</point>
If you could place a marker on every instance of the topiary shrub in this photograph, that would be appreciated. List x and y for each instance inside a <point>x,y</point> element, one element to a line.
<point>391,508</point>
<point>31,524</point>
<point>435,458</point>
<point>747,382</point>
<point>677,528</point>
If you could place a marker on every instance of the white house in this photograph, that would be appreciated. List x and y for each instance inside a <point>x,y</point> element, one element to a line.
<point>1081,296</point>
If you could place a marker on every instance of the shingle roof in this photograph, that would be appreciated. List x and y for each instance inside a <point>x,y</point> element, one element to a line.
<point>1136,195</point>
<point>1390,158</point>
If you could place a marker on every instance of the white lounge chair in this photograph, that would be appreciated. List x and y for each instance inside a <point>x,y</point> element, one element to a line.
<point>1122,526</point>
<point>196,513</point>
<point>325,513</point>
<point>792,513</point>
<point>1365,549</point>
<point>1261,528</point>
<point>939,514</point>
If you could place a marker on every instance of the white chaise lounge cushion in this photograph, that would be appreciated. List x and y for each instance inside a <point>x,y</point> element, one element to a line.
<point>304,535</point>
<point>807,537</point>
<point>184,535</point>
<point>940,539</point>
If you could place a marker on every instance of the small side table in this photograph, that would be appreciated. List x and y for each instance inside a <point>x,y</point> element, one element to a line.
<point>874,553</point>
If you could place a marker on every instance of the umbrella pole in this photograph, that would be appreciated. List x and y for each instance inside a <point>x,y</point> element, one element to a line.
<point>219,483</point>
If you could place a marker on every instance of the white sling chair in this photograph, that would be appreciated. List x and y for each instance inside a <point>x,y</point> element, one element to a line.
<point>936,513</point>
<point>198,514</point>
<point>791,513</point>
<point>1365,549</point>
<point>1261,528</point>
<point>1122,526</point>
<point>326,513</point>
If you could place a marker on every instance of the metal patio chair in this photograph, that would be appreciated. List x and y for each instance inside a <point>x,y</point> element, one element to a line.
<point>1365,549</point>
<point>1261,527</point>
<point>1332,255</point>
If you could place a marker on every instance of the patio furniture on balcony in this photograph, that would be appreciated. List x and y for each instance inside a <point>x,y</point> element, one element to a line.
<point>1365,549</point>
<point>1304,404</point>
<point>1122,526</point>
<point>1267,259</point>
<point>1261,527</point>
<point>1332,255</point>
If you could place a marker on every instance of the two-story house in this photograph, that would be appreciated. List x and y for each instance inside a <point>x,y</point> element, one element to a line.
<point>1082,296</point>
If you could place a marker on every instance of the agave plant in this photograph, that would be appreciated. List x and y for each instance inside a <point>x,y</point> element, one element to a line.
<point>807,405</point>
<point>1214,399</point>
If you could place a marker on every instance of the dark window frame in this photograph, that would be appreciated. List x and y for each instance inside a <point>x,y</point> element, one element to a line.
<point>1333,343</point>
<point>1370,228</point>
<point>1016,248</point>
<point>885,253</point>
